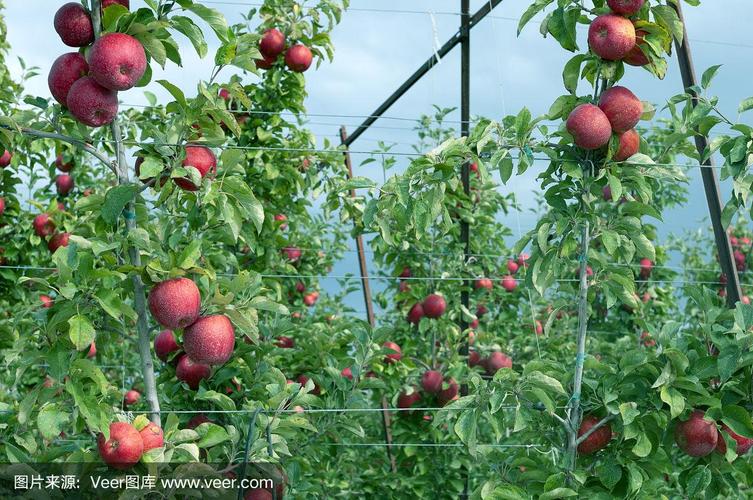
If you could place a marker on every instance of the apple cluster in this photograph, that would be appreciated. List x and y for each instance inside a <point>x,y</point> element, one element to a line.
<point>207,340</point>
<point>88,86</point>
<point>127,444</point>
<point>612,37</point>
<point>298,57</point>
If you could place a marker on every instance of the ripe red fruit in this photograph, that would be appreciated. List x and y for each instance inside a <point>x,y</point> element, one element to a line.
<point>265,63</point>
<point>152,436</point>
<point>406,273</point>
<point>202,159</point>
<point>43,225</point>
<point>434,306</point>
<point>165,344</point>
<point>407,400</point>
<point>611,37</point>
<point>394,356</point>
<point>598,440</point>
<point>64,72</point>
<point>474,358</point>
<point>74,25</point>
<point>696,436</point>
<point>739,260</point>
<point>625,7</point>
<point>292,253</point>
<point>484,283</point>
<point>258,494</point>
<point>347,373</point>
<point>197,420</point>
<point>124,448</point>
<point>210,340</point>
<point>509,283</point>
<point>481,310</point>
<point>64,184</point>
<point>622,108</point>
<point>281,218</point>
<point>473,324</point>
<point>512,266</point>
<point>5,158</point>
<point>539,328</point>
<point>416,313</point>
<point>745,299</point>
<point>431,381</point>
<point>117,61</point>
<point>92,104</point>
<point>175,303</point>
<point>646,266</point>
<point>636,56</point>
<point>449,394</point>
<point>2,206</point>
<point>743,444</point>
<point>496,361</point>
<point>303,379</point>
<point>284,342</point>
<point>589,127</point>
<point>58,240</point>
<point>92,350</point>
<point>107,3</point>
<point>47,301</point>
<point>310,298</point>
<point>300,287</point>
<point>630,143</point>
<point>298,58</point>
<point>191,372</point>
<point>61,165</point>
<point>272,43</point>
<point>131,397</point>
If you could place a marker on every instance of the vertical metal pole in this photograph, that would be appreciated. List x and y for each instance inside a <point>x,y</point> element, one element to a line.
<point>368,302</point>
<point>465,127</point>
<point>708,174</point>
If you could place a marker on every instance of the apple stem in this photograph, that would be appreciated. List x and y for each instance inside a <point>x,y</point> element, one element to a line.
<point>139,296</point>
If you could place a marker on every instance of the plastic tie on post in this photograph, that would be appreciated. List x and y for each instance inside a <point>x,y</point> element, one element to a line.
<point>129,215</point>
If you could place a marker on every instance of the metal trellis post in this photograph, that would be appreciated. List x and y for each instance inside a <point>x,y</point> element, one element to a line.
<point>710,181</point>
<point>367,301</point>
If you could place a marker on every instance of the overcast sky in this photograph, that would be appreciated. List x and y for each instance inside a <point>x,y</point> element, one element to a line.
<point>377,51</point>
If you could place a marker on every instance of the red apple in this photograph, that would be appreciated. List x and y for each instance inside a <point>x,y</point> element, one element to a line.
<point>92,104</point>
<point>117,61</point>
<point>303,379</point>
<point>589,127</point>
<point>395,355</point>
<point>124,3</point>
<point>131,397</point>
<point>416,313</point>
<point>152,436</point>
<point>298,58</point>
<point>485,283</point>
<point>523,259</point>
<point>191,372</point>
<point>448,394</point>
<point>630,143</point>
<point>284,342</point>
<point>509,283</point>
<point>43,225</point>
<point>74,25</point>
<point>625,7</point>
<point>539,328</point>
<point>743,444</point>
<point>124,448</point>
<point>272,43</point>
<point>46,301</point>
<point>300,287</point>
<point>696,436</point>
<point>512,266</point>
<point>2,206</point>
<point>347,373</point>
<point>282,218</point>
<point>266,62</point>
<point>64,184</point>
<point>258,494</point>
<point>431,381</point>
<point>224,94</point>
<point>473,324</point>
<point>58,240</point>
<point>434,306</point>
<point>611,37</point>
<point>5,158</point>
<point>406,273</point>
<point>62,165</point>
<point>621,107</point>
<point>646,266</point>
<point>202,159</point>
<point>165,344</point>
<point>408,399</point>
<point>292,253</point>
<point>310,298</point>
<point>92,350</point>
<point>197,420</point>
<point>745,299</point>
<point>636,56</point>
<point>496,361</point>
<point>481,310</point>
<point>597,440</point>
<point>210,340</point>
<point>474,358</point>
<point>64,72</point>
<point>175,303</point>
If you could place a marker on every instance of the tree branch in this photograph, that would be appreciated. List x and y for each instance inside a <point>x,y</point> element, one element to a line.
<point>593,429</point>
